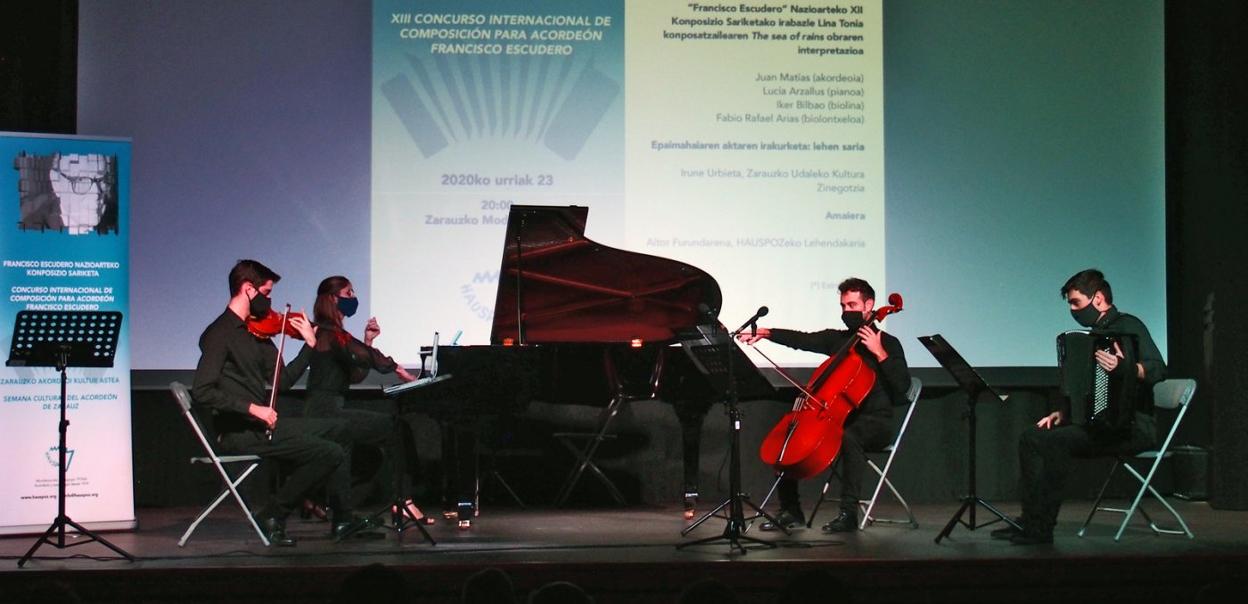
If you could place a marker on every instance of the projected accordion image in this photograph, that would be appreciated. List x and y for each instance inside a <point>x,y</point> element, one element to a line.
<point>1098,399</point>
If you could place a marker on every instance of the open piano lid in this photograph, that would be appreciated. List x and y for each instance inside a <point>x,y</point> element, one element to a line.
<point>573,289</point>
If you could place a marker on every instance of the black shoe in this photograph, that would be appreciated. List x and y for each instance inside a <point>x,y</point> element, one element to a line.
<point>341,528</point>
<point>275,530</point>
<point>1008,531</point>
<point>845,522</point>
<point>1032,538</point>
<point>787,519</point>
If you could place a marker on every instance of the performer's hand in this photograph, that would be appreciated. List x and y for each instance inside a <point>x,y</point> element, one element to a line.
<point>1109,360</point>
<point>306,329</point>
<point>1051,420</point>
<point>371,330</point>
<point>762,333</point>
<point>267,415</point>
<point>873,340</point>
<point>404,374</point>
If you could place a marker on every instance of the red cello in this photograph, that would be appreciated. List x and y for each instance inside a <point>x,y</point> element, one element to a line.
<point>808,438</point>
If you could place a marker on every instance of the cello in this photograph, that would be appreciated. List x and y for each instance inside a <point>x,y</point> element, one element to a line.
<point>808,438</point>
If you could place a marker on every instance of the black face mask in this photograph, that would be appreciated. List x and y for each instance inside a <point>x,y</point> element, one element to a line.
<point>348,306</point>
<point>259,306</point>
<point>853,319</point>
<point>1086,316</point>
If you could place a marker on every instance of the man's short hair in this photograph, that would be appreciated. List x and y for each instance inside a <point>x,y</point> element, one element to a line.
<point>250,271</point>
<point>1088,282</point>
<point>854,284</point>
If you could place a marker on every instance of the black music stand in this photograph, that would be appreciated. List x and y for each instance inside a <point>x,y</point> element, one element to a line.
<point>716,356</point>
<point>65,339</point>
<point>401,519</point>
<point>970,382</point>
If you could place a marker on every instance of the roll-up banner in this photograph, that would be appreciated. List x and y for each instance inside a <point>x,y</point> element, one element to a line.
<point>64,246</point>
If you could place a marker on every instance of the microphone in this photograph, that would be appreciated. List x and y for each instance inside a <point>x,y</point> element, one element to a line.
<point>762,312</point>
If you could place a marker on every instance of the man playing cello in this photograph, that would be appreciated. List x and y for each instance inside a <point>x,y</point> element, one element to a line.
<point>868,426</point>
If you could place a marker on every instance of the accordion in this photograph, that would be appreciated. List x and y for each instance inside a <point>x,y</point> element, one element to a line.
<point>1098,399</point>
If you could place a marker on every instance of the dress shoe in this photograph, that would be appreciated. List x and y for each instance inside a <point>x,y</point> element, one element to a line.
<point>1008,531</point>
<point>347,526</point>
<point>275,530</point>
<point>845,522</point>
<point>1032,538</point>
<point>787,519</point>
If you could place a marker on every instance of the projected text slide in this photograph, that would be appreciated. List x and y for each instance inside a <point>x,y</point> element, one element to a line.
<point>756,150</point>
<point>479,106</point>
<point>744,139</point>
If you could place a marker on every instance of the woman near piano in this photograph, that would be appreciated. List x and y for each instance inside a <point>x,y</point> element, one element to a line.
<point>339,360</point>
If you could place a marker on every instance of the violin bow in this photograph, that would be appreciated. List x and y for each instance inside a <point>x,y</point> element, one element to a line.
<point>277,366</point>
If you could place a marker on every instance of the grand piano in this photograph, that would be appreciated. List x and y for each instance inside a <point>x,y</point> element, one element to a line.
<point>575,322</point>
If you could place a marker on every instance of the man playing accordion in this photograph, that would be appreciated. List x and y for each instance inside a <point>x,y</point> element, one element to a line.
<point>1120,364</point>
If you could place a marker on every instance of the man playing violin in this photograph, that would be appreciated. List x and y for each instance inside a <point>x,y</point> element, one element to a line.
<point>1045,452</point>
<point>868,426</point>
<point>231,380</point>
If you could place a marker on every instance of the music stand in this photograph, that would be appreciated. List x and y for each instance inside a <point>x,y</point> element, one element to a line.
<point>65,339</point>
<point>401,519</point>
<point>970,382</point>
<point>716,355</point>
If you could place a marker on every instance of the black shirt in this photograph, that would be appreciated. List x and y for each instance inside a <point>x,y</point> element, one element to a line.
<point>235,369</point>
<point>340,360</point>
<point>892,377</point>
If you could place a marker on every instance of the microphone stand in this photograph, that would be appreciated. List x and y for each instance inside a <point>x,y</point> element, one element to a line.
<point>737,500</point>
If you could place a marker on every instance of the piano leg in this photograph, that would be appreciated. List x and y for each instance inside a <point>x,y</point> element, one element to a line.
<point>691,414</point>
<point>462,483</point>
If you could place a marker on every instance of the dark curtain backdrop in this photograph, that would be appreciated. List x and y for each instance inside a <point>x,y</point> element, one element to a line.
<point>1207,207</point>
<point>39,66</point>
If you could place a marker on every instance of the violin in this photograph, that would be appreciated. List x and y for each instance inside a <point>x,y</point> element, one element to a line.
<point>273,324</point>
<point>808,439</point>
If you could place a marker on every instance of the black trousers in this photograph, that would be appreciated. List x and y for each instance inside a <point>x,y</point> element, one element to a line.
<point>374,429</point>
<point>862,433</point>
<point>1045,458</point>
<point>313,452</point>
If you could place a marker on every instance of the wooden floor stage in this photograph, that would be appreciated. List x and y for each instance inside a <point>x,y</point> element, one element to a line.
<point>628,555</point>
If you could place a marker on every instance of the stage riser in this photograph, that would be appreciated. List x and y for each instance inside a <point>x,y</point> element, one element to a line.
<point>1068,581</point>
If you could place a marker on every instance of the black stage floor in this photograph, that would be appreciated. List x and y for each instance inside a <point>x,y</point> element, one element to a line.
<point>628,555</point>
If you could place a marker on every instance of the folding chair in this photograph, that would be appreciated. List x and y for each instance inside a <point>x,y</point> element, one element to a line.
<point>183,397</point>
<point>912,398</point>
<point>584,445</point>
<point>1169,394</point>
